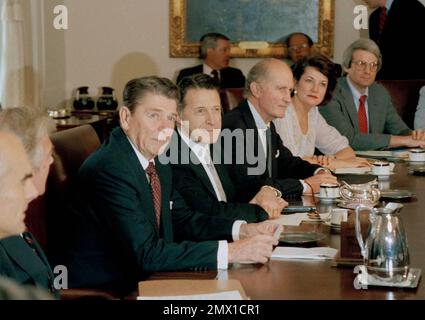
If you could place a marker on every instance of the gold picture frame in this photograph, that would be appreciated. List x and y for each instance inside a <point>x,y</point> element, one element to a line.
<point>179,47</point>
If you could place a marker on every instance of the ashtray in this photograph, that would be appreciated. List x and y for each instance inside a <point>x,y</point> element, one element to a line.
<point>364,279</point>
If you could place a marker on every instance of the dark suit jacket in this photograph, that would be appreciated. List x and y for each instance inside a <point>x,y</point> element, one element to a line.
<point>286,169</point>
<point>115,240</point>
<point>229,77</point>
<point>192,182</point>
<point>384,120</point>
<point>403,31</point>
<point>25,265</point>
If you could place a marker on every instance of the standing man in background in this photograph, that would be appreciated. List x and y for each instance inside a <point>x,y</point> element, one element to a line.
<point>397,26</point>
<point>215,51</point>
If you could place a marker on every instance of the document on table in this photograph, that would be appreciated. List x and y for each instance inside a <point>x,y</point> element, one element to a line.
<point>225,295</point>
<point>291,219</point>
<point>318,253</point>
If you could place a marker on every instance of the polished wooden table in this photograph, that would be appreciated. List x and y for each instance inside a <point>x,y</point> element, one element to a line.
<point>321,280</point>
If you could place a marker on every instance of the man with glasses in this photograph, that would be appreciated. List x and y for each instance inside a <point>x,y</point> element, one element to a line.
<point>299,46</point>
<point>362,110</point>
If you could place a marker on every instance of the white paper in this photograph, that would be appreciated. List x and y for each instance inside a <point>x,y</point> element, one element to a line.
<point>352,170</point>
<point>374,153</point>
<point>225,295</point>
<point>291,219</point>
<point>318,253</point>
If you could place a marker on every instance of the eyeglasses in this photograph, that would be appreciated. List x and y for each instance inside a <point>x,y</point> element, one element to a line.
<point>361,65</point>
<point>301,46</point>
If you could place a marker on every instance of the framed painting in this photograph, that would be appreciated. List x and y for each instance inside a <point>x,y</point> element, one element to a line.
<point>257,28</point>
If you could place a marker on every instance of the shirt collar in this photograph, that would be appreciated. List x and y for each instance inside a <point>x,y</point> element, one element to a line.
<point>259,122</point>
<point>207,69</point>
<point>143,161</point>
<point>389,4</point>
<point>201,150</point>
<point>356,93</point>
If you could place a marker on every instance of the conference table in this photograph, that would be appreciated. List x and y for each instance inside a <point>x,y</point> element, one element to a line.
<point>314,279</point>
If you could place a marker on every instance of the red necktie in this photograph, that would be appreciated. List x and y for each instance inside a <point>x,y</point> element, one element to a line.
<point>362,115</point>
<point>382,17</point>
<point>155,189</point>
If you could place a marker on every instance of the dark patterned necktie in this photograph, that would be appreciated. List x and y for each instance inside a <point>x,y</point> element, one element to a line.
<point>216,77</point>
<point>155,190</point>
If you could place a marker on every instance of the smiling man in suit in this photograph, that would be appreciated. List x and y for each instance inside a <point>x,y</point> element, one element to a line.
<point>268,89</point>
<point>215,51</point>
<point>128,213</point>
<point>361,109</point>
<point>203,182</point>
<point>21,257</point>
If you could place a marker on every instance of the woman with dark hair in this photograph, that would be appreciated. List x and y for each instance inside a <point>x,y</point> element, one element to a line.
<point>303,128</point>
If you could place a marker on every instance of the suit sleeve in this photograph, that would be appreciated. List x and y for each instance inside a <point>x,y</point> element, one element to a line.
<point>198,198</point>
<point>334,113</point>
<point>118,206</point>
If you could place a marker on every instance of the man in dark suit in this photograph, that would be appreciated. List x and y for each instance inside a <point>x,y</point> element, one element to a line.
<point>128,214</point>
<point>215,51</point>
<point>397,27</point>
<point>265,159</point>
<point>21,257</point>
<point>361,109</point>
<point>204,183</point>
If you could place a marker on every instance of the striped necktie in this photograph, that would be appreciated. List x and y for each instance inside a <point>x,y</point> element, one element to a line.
<point>155,190</point>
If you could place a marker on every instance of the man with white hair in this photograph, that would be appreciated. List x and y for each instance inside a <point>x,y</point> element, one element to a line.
<point>21,256</point>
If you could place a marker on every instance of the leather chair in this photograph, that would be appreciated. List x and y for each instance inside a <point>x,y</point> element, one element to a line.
<point>405,96</point>
<point>231,97</point>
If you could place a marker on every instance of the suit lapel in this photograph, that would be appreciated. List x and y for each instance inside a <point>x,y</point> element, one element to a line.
<point>376,118</point>
<point>347,96</point>
<point>250,124</point>
<point>139,175</point>
<point>198,168</point>
<point>31,262</point>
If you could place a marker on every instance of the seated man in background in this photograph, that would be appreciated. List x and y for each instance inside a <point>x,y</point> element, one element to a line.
<point>215,51</point>
<point>127,214</point>
<point>204,183</point>
<point>23,259</point>
<point>419,121</point>
<point>268,89</point>
<point>299,46</point>
<point>362,110</point>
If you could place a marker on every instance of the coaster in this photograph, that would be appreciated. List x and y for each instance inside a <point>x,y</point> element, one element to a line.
<point>412,281</point>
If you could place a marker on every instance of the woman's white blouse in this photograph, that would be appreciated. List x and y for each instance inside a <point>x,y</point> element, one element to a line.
<point>320,134</point>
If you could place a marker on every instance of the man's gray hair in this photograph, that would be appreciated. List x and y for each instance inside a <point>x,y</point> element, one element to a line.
<point>361,44</point>
<point>208,41</point>
<point>30,125</point>
<point>257,73</point>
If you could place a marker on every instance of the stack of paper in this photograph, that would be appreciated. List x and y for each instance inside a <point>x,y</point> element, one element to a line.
<point>191,289</point>
<point>291,219</point>
<point>318,253</point>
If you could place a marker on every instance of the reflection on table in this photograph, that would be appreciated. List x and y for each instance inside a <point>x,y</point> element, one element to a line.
<point>315,279</point>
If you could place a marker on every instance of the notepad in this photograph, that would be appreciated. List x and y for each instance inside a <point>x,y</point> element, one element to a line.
<point>291,219</point>
<point>225,295</point>
<point>318,253</point>
<point>191,289</point>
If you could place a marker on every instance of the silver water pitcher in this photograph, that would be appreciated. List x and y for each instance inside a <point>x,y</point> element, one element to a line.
<point>385,250</point>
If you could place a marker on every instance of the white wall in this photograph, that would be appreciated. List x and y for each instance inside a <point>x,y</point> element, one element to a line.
<point>109,42</point>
